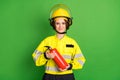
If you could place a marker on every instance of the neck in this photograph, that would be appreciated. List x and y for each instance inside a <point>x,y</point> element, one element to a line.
<point>60,36</point>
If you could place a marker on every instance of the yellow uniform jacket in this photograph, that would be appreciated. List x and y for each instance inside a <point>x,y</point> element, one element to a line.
<point>67,47</point>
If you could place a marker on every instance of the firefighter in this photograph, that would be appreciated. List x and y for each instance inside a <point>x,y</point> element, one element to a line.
<point>60,20</point>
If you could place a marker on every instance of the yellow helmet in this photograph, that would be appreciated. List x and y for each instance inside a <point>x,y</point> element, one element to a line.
<point>60,10</point>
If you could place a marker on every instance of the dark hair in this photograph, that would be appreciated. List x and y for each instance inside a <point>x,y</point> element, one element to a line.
<point>68,22</point>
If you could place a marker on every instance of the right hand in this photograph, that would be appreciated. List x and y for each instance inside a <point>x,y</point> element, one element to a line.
<point>49,55</point>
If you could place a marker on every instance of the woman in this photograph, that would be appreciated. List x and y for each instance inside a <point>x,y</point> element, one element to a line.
<point>60,20</point>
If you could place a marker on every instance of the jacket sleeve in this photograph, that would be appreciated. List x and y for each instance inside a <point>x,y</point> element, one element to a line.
<point>38,55</point>
<point>78,59</point>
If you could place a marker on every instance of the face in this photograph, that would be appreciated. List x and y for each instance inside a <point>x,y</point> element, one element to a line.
<point>60,24</point>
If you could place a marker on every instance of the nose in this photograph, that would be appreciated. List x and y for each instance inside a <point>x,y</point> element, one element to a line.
<point>60,25</point>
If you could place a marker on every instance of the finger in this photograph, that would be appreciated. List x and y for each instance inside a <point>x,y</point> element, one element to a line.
<point>52,55</point>
<point>68,66</point>
<point>47,54</point>
<point>62,69</point>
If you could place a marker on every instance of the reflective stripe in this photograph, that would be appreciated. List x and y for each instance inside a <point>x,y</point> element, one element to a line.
<point>66,56</point>
<point>37,54</point>
<point>51,68</point>
<point>81,62</point>
<point>78,55</point>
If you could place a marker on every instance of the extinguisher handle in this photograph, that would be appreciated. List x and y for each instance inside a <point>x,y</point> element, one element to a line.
<point>48,47</point>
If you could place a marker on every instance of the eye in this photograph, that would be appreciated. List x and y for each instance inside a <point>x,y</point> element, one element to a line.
<point>63,23</point>
<point>57,23</point>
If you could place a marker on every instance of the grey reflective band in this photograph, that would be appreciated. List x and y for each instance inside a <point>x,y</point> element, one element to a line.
<point>48,68</point>
<point>81,62</point>
<point>37,54</point>
<point>66,56</point>
<point>78,55</point>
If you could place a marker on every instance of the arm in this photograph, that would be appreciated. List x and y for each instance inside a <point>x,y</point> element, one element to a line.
<point>78,59</point>
<point>39,55</point>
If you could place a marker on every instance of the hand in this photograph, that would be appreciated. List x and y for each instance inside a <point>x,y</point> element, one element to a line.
<point>65,68</point>
<point>49,55</point>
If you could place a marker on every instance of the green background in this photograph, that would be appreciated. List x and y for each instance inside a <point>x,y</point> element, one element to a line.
<point>24,23</point>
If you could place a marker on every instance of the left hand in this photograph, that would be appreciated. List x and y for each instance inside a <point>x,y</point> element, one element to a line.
<point>65,68</point>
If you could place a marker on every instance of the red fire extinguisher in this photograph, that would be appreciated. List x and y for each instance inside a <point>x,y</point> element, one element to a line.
<point>58,59</point>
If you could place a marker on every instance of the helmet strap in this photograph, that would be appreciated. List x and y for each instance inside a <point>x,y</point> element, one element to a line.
<point>61,32</point>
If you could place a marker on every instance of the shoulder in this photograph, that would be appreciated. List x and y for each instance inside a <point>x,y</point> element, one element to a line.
<point>70,39</point>
<point>48,38</point>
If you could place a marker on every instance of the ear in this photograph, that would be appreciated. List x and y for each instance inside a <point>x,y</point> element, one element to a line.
<point>51,21</point>
<point>70,21</point>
